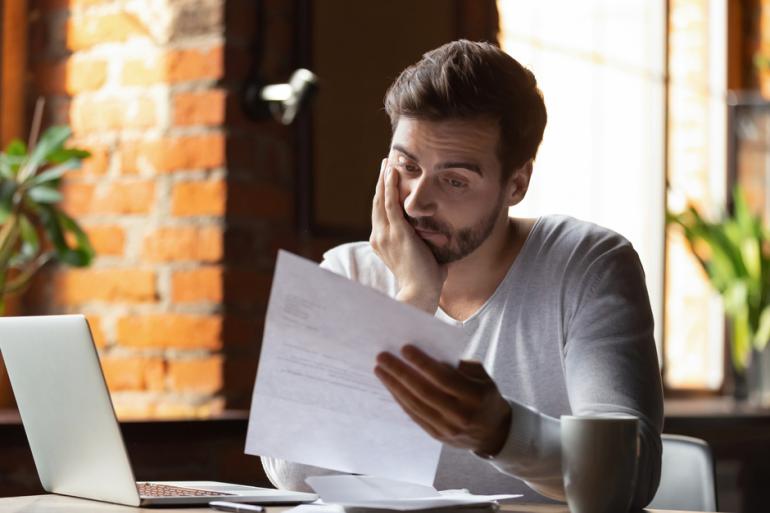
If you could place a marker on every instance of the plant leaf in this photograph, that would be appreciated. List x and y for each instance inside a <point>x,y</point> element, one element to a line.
<point>57,224</point>
<point>762,335</point>
<point>50,142</point>
<point>6,171</point>
<point>44,194</point>
<point>741,343</point>
<point>65,154</point>
<point>16,148</point>
<point>54,173</point>
<point>30,242</point>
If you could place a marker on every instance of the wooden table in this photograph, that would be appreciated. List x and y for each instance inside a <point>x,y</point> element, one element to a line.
<point>61,504</point>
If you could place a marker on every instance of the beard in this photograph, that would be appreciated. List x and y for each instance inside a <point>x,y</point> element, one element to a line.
<point>460,243</point>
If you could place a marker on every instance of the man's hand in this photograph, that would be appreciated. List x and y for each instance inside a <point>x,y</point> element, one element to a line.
<point>420,278</point>
<point>460,407</point>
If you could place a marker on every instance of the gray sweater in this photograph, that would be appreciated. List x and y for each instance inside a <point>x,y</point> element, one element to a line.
<point>569,331</point>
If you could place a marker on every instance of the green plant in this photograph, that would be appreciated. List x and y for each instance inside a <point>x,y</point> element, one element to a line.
<point>735,253</point>
<point>34,229</point>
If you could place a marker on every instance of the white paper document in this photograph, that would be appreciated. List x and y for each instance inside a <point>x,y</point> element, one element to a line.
<point>367,492</point>
<point>316,399</point>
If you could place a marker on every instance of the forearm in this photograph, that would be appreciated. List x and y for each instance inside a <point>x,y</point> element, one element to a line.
<point>532,453</point>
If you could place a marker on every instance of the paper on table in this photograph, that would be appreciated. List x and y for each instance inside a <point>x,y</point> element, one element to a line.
<point>316,399</point>
<point>368,492</point>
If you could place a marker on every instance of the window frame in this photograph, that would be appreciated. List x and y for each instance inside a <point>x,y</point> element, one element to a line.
<point>13,57</point>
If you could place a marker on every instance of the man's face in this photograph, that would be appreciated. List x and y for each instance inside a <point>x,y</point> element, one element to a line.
<point>449,181</point>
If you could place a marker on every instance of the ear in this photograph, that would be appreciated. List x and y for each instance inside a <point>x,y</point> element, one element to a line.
<point>518,184</point>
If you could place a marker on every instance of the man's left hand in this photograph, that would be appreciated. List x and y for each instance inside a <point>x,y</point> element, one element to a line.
<point>461,406</point>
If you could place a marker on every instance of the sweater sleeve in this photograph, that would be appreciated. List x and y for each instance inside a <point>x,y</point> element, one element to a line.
<point>611,368</point>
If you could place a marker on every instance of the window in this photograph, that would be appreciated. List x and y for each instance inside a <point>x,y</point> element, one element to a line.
<point>600,65</point>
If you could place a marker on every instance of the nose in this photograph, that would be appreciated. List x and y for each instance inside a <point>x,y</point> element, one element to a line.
<point>418,198</point>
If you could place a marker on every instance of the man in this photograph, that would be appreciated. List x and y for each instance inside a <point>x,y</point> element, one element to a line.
<point>556,309</point>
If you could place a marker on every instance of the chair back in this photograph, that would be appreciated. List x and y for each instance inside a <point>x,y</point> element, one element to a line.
<point>687,475</point>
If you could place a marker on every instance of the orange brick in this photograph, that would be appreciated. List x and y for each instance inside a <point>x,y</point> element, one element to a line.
<point>62,4</point>
<point>204,198</point>
<point>199,108</point>
<point>197,285</point>
<point>98,162</point>
<point>118,198</point>
<point>202,375</point>
<point>171,330</point>
<point>176,153</point>
<point>125,198</point>
<point>175,66</point>
<point>133,406</point>
<point>77,197</point>
<point>86,31</point>
<point>78,286</point>
<point>95,116</point>
<point>71,76</point>
<point>133,373</point>
<point>181,408</point>
<point>95,323</point>
<point>106,240</point>
<point>214,284</point>
<point>144,72</point>
<point>203,244</point>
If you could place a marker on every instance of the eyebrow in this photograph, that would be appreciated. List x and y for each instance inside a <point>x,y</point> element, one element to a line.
<point>444,165</point>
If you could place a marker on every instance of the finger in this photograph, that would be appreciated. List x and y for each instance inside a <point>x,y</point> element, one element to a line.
<point>473,369</point>
<point>379,219</point>
<point>442,375</point>
<point>393,209</point>
<point>426,417</point>
<point>424,424</point>
<point>405,377</point>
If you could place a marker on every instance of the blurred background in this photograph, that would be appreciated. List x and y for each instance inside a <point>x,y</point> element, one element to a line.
<point>194,182</point>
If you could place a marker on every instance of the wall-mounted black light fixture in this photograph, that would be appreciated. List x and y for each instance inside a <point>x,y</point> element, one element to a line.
<point>282,101</point>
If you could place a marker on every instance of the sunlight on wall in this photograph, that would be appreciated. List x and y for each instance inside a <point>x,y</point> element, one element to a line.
<point>600,65</point>
<point>694,328</point>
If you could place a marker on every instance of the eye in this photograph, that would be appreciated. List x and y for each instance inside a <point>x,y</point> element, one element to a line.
<point>408,167</point>
<point>456,184</point>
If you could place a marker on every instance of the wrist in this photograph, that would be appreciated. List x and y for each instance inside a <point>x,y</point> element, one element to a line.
<point>496,443</point>
<point>426,302</point>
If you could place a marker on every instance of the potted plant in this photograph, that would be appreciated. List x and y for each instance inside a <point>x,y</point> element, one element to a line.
<point>33,229</point>
<point>735,254</point>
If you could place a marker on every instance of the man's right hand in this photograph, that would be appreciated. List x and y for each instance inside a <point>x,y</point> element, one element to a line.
<point>420,278</point>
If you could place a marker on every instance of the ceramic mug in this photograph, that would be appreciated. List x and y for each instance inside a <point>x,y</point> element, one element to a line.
<point>599,457</point>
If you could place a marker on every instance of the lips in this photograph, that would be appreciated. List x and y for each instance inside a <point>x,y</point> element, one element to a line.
<point>431,235</point>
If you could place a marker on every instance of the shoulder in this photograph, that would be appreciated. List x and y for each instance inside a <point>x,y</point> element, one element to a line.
<point>576,238</point>
<point>583,256</point>
<point>358,262</point>
<point>580,247</point>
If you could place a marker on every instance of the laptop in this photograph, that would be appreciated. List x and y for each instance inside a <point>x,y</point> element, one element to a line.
<point>71,426</point>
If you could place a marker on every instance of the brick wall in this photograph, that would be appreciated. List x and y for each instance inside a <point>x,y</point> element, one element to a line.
<point>184,199</point>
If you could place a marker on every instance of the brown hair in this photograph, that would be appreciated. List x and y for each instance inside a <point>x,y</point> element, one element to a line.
<point>465,79</point>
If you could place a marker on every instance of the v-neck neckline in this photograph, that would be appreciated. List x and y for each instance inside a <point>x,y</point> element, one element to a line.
<point>442,314</point>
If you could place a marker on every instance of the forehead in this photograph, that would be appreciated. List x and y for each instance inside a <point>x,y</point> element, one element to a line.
<point>475,136</point>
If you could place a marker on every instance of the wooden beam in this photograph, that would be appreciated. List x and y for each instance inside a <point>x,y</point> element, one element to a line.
<point>736,46</point>
<point>13,63</point>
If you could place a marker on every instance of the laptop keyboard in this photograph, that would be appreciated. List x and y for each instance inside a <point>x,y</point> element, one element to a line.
<point>162,490</point>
